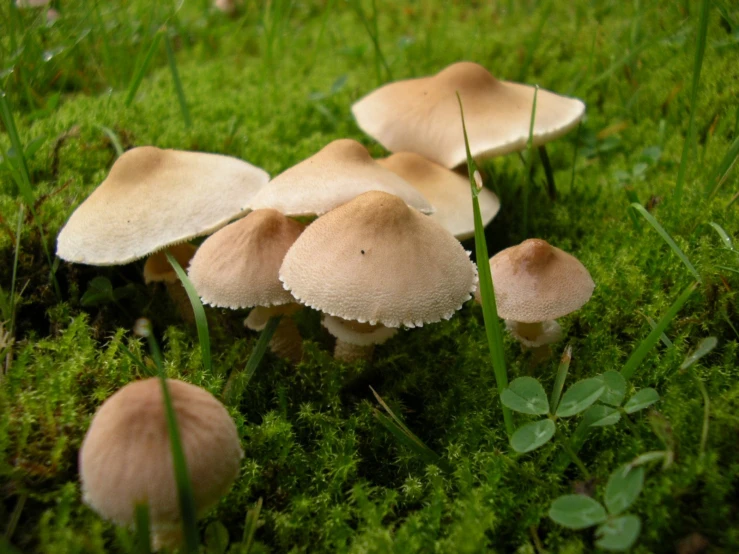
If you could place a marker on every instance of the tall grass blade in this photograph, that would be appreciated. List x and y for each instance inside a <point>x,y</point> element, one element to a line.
<point>177,82</point>
<point>529,160</point>
<point>706,411</point>
<point>197,307</point>
<point>143,529</point>
<point>185,494</point>
<point>114,139</point>
<point>374,37</point>
<point>704,348</point>
<point>664,338</point>
<point>648,343</point>
<point>487,292</point>
<point>700,47</point>
<point>238,381</point>
<point>15,141</point>
<point>668,239</point>
<point>14,279</point>
<point>138,75</point>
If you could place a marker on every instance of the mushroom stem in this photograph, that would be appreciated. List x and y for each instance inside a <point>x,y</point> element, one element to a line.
<point>348,352</point>
<point>166,536</point>
<point>536,334</point>
<point>286,341</point>
<point>181,300</point>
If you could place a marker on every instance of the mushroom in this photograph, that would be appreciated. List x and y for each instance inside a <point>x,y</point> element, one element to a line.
<point>153,199</point>
<point>447,191</point>
<point>339,172</point>
<point>157,269</point>
<point>536,283</point>
<point>376,261</point>
<point>422,115</point>
<point>237,268</point>
<point>126,458</point>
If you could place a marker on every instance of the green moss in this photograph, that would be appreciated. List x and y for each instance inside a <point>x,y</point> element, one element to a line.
<point>272,89</point>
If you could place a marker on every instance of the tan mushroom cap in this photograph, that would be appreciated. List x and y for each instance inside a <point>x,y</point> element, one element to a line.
<point>238,266</point>
<point>158,269</point>
<point>360,334</point>
<point>536,281</point>
<point>339,172</point>
<point>422,115</point>
<point>447,191</point>
<point>156,198</point>
<point>126,459</point>
<point>376,260</point>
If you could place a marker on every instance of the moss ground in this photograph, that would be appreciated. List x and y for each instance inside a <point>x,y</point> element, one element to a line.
<point>274,85</point>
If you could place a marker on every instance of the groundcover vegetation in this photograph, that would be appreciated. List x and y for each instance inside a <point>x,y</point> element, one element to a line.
<point>647,200</point>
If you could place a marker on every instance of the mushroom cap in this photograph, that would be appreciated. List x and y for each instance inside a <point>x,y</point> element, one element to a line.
<point>339,172</point>
<point>158,269</point>
<point>155,198</point>
<point>360,334</point>
<point>376,260</point>
<point>535,281</point>
<point>238,266</point>
<point>422,115</point>
<point>447,191</point>
<point>126,459</point>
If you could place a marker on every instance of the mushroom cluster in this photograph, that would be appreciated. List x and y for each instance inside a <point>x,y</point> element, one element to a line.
<point>376,248</point>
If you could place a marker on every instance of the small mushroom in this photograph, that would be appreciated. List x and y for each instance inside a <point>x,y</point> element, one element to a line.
<point>376,261</point>
<point>126,458</point>
<point>536,283</point>
<point>238,266</point>
<point>339,172</point>
<point>422,115</point>
<point>447,191</point>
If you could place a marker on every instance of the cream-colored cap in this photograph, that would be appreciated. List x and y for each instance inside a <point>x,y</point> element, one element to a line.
<point>447,191</point>
<point>535,281</point>
<point>156,198</point>
<point>376,260</point>
<point>237,267</point>
<point>126,459</point>
<point>339,172</point>
<point>158,269</point>
<point>422,115</point>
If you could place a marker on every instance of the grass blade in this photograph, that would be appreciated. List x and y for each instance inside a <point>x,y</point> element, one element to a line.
<point>487,292</point>
<point>405,436</point>
<point>114,139</point>
<point>723,234</point>
<point>668,239</point>
<point>143,529</point>
<point>250,526</point>
<point>721,173</point>
<point>177,82</point>
<point>185,494</point>
<point>197,307</point>
<point>138,76</point>
<point>529,160</point>
<point>648,343</point>
<point>706,411</point>
<point>237,382</point>
<point>559,381</point>
<point>704,347</point>
<point>700,47</point>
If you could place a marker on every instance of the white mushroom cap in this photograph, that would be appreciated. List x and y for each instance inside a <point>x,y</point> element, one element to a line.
<point>360,334</point>
<point>158,269</point>
<point>376,260</point>
<point>447,191</point>
<point>126,459</point>
<point>422,115</point>
<point>238,266</point>
<point>156,198</point>
<point>534,281</point>
<point>339,172</point>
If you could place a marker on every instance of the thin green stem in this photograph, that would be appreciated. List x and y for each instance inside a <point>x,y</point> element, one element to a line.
<point>573,456</point>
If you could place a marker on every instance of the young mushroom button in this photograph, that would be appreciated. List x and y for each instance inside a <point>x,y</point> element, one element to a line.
<point>126,460</point>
